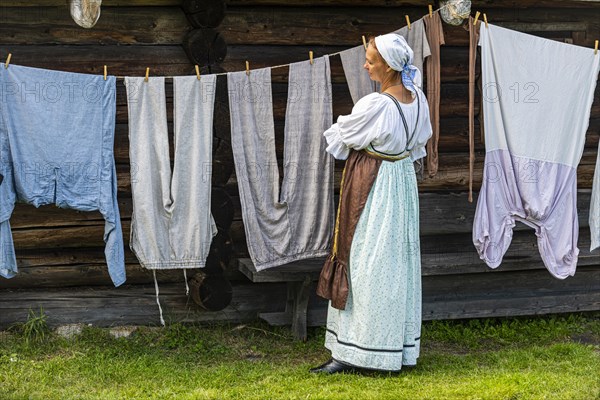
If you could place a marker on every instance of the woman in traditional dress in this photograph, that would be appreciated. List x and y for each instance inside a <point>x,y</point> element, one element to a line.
<point>373,276</point>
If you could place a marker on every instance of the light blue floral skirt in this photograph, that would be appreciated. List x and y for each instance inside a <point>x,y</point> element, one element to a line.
<point>381,325</point>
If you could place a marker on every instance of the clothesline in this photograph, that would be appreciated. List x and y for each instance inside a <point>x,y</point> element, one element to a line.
<point>288,64</point>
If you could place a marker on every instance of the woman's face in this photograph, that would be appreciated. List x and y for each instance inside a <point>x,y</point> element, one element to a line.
<point>375,65</point>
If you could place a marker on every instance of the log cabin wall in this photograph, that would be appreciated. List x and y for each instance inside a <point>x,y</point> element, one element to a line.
<point>60,252</point>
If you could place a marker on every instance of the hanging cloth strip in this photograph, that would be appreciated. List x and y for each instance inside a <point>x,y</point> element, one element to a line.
<point>473,42</point>
<point>297,223</point>
<point>172,226</point>
<point>435,38</point>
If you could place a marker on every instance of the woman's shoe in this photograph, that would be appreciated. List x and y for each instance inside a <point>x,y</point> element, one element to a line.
<point>333,367</point>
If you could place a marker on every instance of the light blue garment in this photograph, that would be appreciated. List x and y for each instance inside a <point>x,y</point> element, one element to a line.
<point>56,147</point>
<point>380,327</point>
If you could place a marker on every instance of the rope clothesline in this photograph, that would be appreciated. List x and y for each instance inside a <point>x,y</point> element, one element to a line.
<point>288,64</point>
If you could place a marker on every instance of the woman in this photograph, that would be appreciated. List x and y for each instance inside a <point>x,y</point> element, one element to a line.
<point>373,276</point>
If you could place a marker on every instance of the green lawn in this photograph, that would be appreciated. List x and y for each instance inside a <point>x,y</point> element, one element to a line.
<point>540,358</point>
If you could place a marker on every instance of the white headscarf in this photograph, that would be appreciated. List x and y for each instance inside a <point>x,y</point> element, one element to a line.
<point>399,56</point>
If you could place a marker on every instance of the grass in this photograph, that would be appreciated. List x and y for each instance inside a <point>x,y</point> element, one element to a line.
<point>554,357</point>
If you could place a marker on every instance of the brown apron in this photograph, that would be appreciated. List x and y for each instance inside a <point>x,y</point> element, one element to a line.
<point>358,178</point>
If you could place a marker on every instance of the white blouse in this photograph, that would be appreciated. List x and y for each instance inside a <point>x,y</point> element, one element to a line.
<point>375,120</point>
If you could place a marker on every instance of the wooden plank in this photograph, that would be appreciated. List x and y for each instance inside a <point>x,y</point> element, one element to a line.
<point>134,305</point>
<point>314,26</point>
<point>105,3</point>
<point>121,60</point>
<point>293,272</point>
<point>484,308</point>
<point>72,267</point>
<point>481,296</point>
<point>123,25</point>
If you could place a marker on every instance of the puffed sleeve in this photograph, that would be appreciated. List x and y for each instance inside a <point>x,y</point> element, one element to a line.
<point>370,120</point>
<point>423,133</point>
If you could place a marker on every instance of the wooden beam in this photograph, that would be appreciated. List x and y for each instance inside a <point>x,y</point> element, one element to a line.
<point>105,3</point>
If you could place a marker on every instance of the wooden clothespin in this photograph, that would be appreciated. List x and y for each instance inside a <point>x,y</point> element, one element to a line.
<point>408,22</point>
<point>485,20</point>
<point>147,73</point>
<point>310,55</point>
<point>197,71</point>
<point>476,18</point>
<point>247,68</point>
<point>364,41</point>
<point>596,47</point>
<point>105,72</point>
<point>7,60</point>
<point>430,11</point>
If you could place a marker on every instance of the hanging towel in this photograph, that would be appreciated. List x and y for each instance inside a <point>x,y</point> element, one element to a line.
<point>296,224</point>
<point>435,38</point>
<point>359,82</point>
<point>171,226</point>
<point>595,206</point>
<point>531,160</point>
<point>56,147</point>
<point>417,40</point>
<point>353,60</point>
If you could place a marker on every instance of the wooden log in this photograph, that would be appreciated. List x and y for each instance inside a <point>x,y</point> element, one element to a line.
<point>107,3</point>
<point>68,267</point>
<point>123,25</point>
<point>134,305</point>
<point>303,26</point>
<point>121,60</point>
<point>204,13</point>
<point>205,46</point>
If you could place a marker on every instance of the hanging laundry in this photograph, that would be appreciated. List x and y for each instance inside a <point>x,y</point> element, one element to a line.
<point>353,60</point>
<point>473,42</point>
<point>357,77</point>
<point>296,224</point>
<point>171,226</point>
<point>56,147</point>
<point>595,206</point>
<point>537,100</point>
<point>417,40</point>
<point>435,38</point>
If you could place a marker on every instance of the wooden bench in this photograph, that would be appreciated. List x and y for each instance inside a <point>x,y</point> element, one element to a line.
<point>299,276</point>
